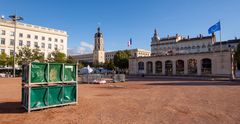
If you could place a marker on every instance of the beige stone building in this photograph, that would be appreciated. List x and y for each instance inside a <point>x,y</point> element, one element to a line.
<point>178,55</point>
<point>32,36</point>
<point>134,53</point>
<point>100,56</point>
<point>110,55</point>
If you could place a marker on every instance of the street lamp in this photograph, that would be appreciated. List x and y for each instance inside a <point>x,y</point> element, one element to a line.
<point>15,18</point>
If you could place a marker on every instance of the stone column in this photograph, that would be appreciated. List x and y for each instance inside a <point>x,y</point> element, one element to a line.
<point>163,67</point>
<point>145,68</point>
<point>185,67</point>
<point>154,69</point>
<point>174,67</point>
<point>199,65</point>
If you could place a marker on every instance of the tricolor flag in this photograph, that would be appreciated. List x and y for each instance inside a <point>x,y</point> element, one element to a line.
<point>214,28</point>
<point>130,42</point>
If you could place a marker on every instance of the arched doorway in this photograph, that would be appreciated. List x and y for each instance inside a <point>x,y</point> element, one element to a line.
<point>179,67</point>
<point>192,66</point>
<point>168,67</point>
<point>141,67</point>
<point>158,67</point>
<point>206,66</point>
<point>149,68</point>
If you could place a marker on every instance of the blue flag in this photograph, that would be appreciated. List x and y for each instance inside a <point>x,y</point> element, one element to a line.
<point>214,28</point>
<point>130,42</point>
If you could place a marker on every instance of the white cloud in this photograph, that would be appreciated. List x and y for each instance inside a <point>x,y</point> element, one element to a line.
<point>84,48</point>
<point>86,45</point>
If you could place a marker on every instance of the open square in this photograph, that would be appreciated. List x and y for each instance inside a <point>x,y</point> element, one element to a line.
<point>147,101</point>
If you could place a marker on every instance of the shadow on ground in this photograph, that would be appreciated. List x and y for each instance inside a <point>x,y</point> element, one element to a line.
<point>198,84</point>
<point>11,107</point>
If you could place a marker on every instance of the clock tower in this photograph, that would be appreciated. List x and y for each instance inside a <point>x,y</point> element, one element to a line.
<point>98,52</point>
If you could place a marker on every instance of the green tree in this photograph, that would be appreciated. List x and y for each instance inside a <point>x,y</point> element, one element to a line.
<point>26,55</point>
<point>37,55</point>
<point>237,56</point>
<point>10,61</point>
<point>57,56</point>
<point>70,59</point>
<point>109,65</point>
<point>3,59</point>
<point>80,65</point>
<point>121,59</point>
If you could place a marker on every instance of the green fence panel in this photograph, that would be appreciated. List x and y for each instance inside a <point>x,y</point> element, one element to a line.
<point>69,72</point>
<point>39,72</point>
<point>38,97</point>
<point>69,93</point>
<point>55,96</point>
<point>55,72</point>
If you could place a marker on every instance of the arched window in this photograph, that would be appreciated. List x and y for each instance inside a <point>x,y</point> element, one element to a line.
<point>140,65</point>
<point>206,66</point>
<point>203,46</point>
<point>192,66</point>
<point>158,67</point>
<point>179,67</point>
<point>168,67</point>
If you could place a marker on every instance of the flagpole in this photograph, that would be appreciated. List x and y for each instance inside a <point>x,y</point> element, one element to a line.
<point>220,37</point>
<point>221,44</point>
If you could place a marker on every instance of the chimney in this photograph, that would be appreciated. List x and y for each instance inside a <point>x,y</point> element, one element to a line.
<point>176,35</point>
<point>188,37</point>
<point>213,37</point>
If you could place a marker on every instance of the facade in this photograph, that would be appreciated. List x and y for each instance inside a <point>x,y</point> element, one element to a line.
<point>110,55</point>
<point>181,45</point>
<point>100,56</point>
<point>98,52</point>
<point>32,36</point>
<point>177,55</point>
<point>134,53</point>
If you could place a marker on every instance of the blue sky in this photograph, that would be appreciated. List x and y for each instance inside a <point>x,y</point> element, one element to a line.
<point>121,20</point>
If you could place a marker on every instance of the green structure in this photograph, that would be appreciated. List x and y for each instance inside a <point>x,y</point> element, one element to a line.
<point>47,85</point>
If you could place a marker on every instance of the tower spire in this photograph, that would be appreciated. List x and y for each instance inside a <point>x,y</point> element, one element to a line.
<point>155,32</point>
<point>155,36</point>
<point>98,29</point>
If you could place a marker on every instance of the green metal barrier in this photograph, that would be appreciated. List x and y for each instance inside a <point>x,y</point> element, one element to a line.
<point>47,85</point>
<point>69,72</point>
<point>39,72</point>
<point>69,93</point>
<point>39,97</point>
<point>55,96</point>
<point>55,72</point>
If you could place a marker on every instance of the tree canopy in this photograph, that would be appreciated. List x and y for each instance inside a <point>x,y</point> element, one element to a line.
<point>121,59</point>
<point>109,65</point>
<point>57,56</point>
<point>26,55</point>
<point>3,59</point>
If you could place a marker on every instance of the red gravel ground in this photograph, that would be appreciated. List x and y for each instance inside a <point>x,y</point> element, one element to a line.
<point>134,102</point>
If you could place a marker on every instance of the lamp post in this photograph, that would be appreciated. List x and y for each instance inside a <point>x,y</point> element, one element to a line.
<point>15,18</point>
